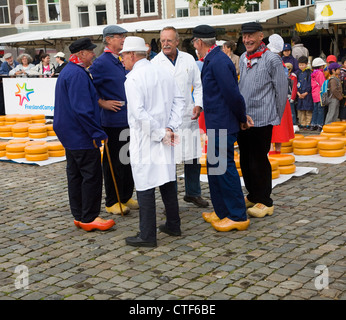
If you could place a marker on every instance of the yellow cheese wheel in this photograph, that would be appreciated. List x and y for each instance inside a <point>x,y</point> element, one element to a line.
<point>287,169</point>
<point>18,141</point>
<point>305,151</point>
<point>49,126</point>
<point>15,155</point>
<point>239,172</point>
<point>3,145</point>
<point>39,121</point>
<point>203,170</point>
<point>23,118</point>
<point>15,147</point>
<point>34,149</point>
<point>19,134</point>
<point>332,153</point>
<point>331,134</point>
<point>38,116</point>
<point>299,136</point>
<point>284,159</point>
<point>286,149</point>
<point>337,123</point>
<point>274,164</point>
<point>332,128</point>
<point>6,134</point>
<point>51,133</point>
<point>339,139</point>
<point>61,153</point>
<point>38,135</point>
<point>37,156</point>
<point>6,128</point>
<point>331,144</point>
<point>275,174</point>
<point>38,128</point>
<point>10,117</point>
<point>318,137</point>
<point>2,118</point>
<point>304,143</point>
<point>287,144</point>
<point>2,153</point>
<point>36,142</point>
<point>56,145</point>
<point>237,162</point>
<point>20,127</point>
<point>10,123</point>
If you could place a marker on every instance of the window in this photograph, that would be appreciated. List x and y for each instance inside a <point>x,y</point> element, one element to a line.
<point>101,15</point>
<point>54,10</point>
<point>205,11</point>
<point>182,12</point>
<point>149,6</point>
<point>32,11</point>
<point>129,7</point>
<point>83,16</point>
<point>4,18</point>
<point>253,6</point>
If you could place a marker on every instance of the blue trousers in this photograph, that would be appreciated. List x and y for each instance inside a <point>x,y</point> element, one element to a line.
<point>225,189</point>
<point>317,115</point>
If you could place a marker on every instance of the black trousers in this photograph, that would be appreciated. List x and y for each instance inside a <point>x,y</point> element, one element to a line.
<point>119,154</point>
<point>254,145</point>
<point>147,210</point>
<point>84,179</point>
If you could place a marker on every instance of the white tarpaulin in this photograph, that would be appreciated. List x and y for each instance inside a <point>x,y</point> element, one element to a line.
<point>327,12</point>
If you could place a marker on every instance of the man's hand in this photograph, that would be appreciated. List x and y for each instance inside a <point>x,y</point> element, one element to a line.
<point>112,105</point>
<point>196,112</point>
<point>248,124</point>
<point>170,138</point>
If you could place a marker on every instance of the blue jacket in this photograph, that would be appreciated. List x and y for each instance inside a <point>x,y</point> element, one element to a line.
<point>76,112</point>
<point>109,76</point>
<point>304,85</point>
<point>293,61</point>
<point>5,68</point>
<point>224,106</point>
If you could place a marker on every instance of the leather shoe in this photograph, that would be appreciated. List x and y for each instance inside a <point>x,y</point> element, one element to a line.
<point>98,223</point>
<point>248,204</point>
<point>210,216</point>
<point>138,242</point>
<point>164,229</point>
<point>259,210</point>
<point>115,209</point>
<point>198,201</point>
<point>227,224</point>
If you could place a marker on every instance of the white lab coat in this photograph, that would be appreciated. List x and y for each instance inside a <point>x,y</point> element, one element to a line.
<point>154,103</point>
<point>188,77</point>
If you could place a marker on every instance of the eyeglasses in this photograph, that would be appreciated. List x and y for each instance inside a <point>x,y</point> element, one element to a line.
<point>119,36</point>
<point>194,40</point>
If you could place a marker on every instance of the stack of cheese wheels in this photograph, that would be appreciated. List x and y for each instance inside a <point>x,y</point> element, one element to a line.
<point>318,137</point>
<point>287,147</point>
<point>50,131</point>
<point>305,146</point>
<point>23,118</point>
<point>15,150</point>
<point>2,120</point>
<point>275,168</point>
<point>3,145</point>
<point>332,130</point>
<point>6,131</point>
<point>331,148</point>
<point>340,139</point>
<point>38,152</point>
<point>286,162</point>
<point>38,118</point>
<point>55,149</point>
<point>20,130</point>
<point>10,119</point>
<point>37,131</point>
<point>202,160</point>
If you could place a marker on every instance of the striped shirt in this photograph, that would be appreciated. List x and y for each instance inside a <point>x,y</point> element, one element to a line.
<point>264,88</point>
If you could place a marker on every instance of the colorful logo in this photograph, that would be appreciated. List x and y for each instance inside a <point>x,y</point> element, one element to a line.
<point>23,93</point>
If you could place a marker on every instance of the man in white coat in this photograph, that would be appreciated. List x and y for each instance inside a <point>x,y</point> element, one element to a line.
<point>155,107</point>
<point>182,66</point>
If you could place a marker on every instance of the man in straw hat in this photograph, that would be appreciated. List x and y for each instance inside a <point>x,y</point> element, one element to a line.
<point>77,125</point>
<point>155,107</point>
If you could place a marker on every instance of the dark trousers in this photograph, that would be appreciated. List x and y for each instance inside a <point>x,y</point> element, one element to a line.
<point>254,145</point>
<point>119,154</point>
<point>225,189</point>
<point>192,171</point>
<point>84,179</point>
<point>147,210</point>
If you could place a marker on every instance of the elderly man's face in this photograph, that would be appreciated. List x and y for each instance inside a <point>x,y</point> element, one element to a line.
<point>252,40</point>
<point>86,57</point>
<point>128,60</point>
<point>116,42</point>
<point>10,60</point>
<point>169,42</point>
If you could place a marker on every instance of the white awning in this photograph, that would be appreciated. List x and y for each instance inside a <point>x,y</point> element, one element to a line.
<point>269,18</point>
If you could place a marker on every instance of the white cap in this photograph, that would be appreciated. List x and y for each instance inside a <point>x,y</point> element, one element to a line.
<point>60,55</point>
<point>220,42</point>
<point>134,44</point>
<point>7,55</point>
<point>318,62</point>
<point>276,43</point>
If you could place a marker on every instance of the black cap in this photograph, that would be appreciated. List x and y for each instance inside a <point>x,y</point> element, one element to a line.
<point>82,44</point>
<point>204,31</point>
<point>251,27</point>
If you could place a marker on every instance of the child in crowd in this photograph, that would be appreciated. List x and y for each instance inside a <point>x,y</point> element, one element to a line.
<point>292,90</point>
<point>305,104</point>
<point>317,79</point>
<point>335,91</point>
<point>342,114</point>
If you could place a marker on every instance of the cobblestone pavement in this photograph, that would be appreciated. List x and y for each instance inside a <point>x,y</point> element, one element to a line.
<point>297,253</point>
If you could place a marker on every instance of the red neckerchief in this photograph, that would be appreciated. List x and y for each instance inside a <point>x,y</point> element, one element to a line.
<point>211,48</point>
<point>76,60</point>
<point>106,49</point>
<point>260,50</point>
